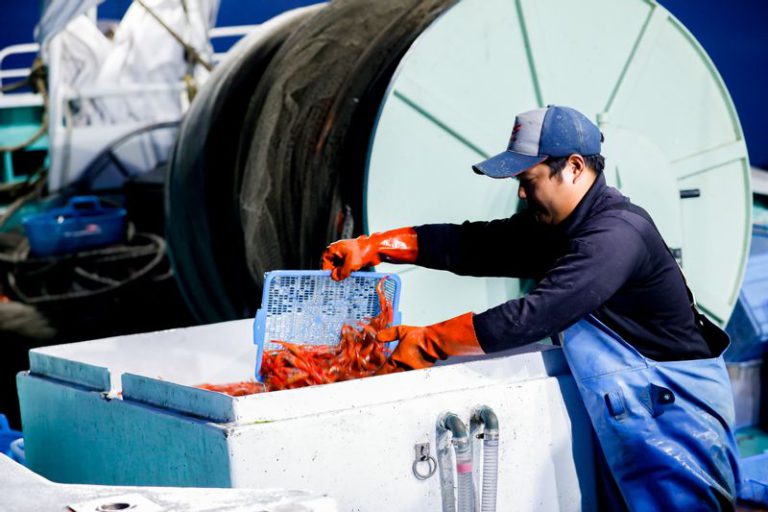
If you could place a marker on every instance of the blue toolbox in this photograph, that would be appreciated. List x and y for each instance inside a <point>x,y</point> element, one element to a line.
<point>84,223</point>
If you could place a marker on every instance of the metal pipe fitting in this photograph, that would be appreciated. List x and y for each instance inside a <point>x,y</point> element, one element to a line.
<point>484,415</point>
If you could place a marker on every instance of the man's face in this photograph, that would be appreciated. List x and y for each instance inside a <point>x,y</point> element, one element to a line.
<point>544,194</point>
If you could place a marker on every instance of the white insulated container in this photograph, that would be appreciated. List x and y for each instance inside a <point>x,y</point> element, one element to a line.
<point>123,411</point>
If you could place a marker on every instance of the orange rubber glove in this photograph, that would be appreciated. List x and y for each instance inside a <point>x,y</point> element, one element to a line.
<point>420,347</point>
<point>346,256</point>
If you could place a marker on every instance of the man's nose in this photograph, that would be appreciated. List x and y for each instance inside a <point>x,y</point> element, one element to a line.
<point>521,192</point>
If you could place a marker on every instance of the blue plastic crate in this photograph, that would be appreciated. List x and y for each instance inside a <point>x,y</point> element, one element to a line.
<point>754,472</point>
<point>309,308</point>
<point>748,325</point>
<point>84,223</point>
<point>7,435</point>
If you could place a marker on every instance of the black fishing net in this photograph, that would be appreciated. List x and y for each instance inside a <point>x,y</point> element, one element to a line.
<point>309,124</point>
<point>203,224</point>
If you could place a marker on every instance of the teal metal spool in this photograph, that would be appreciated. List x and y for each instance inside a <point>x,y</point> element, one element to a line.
<point>670,127</point>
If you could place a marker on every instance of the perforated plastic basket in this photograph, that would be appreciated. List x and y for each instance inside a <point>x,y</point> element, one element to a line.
<point>309,308</point>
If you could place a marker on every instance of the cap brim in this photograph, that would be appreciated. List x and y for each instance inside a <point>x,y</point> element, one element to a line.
<point>507,164</point>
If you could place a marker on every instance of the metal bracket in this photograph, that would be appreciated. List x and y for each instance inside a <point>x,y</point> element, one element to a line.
<point>422,455</point>
<point>690,193</point>
<point>677,253</point>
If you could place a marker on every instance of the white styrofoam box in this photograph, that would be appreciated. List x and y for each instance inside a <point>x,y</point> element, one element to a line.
<point>121,411</point>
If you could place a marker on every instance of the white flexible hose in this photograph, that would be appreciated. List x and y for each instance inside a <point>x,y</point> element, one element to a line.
<point>490,474</point>
<point>466,488</point>
<point>444,461</point>
<point>448,424</point>
<point>485,417</point>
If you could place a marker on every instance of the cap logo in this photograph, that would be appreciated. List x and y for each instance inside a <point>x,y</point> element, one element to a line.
<point>515,130</point>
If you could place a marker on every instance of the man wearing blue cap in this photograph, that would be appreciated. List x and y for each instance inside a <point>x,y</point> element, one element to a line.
<point>647,363</point>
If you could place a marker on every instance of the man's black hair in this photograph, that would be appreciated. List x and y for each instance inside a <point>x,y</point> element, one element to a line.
<point>557,164</point>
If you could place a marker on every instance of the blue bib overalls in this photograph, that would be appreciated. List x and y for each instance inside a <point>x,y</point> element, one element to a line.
<point>664,427</point>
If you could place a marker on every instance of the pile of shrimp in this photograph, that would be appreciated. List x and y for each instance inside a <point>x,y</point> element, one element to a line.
<point>358,354</point>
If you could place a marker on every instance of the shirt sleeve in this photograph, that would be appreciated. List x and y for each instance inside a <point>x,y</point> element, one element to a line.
<point>513,247</point>
<point>593,270</point>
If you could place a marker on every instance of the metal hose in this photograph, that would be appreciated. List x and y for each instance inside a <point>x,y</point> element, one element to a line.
<point>444,464</point>
<point>463,451</point>
<point>466,487</point>
<point>485,416</point>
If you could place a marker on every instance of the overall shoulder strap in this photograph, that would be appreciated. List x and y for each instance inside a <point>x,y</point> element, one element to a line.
<point>716,337</point>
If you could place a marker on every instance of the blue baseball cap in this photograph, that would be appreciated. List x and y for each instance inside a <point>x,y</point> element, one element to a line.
<point>538,134</point>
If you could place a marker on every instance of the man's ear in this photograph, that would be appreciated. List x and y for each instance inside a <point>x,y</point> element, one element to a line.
<point>579,166</point>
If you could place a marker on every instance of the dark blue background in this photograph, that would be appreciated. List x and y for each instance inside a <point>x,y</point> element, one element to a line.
<point>735,34</point>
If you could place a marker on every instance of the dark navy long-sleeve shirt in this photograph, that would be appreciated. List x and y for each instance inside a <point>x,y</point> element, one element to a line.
<point>606,258</point>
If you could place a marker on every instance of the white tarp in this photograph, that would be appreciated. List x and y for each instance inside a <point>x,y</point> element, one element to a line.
<point>83,50</point>
<point>145,52</point>
<point>57,14</point>
<point>142,52</point>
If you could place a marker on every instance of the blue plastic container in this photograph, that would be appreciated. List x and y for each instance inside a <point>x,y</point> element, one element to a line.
<point>7,435</point>
<point>84,223</point>
<point>748,325</point>
<point>309,308</point>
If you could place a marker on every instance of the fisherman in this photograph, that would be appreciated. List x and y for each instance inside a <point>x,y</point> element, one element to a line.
<point>648,365</point>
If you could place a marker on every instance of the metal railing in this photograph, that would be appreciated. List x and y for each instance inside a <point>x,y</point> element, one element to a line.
<point>17,73</point>
<point>231,31</point>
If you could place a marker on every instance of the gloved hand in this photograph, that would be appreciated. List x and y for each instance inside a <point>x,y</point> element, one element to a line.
<point>420,347</point>
<point>346,256</point>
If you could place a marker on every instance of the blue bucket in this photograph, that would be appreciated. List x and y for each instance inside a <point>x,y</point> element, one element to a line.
<point>84,223</point>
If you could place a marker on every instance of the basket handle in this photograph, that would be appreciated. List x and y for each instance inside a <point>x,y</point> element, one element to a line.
<point>83,203</point>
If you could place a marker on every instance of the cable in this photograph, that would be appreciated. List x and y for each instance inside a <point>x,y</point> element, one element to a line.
<point>36,69</point>
<point>35,191</point>
<point>15,85</point>
<point>97,256</point>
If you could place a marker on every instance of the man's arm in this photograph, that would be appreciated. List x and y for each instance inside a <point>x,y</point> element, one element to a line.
<point>513,247</point>
<point>579,283</point>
